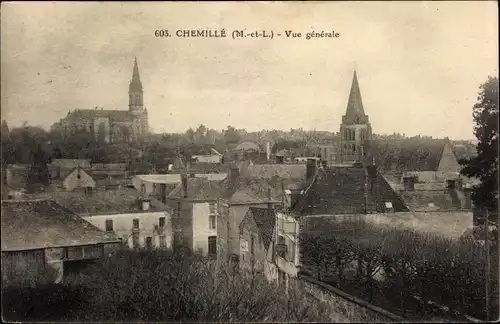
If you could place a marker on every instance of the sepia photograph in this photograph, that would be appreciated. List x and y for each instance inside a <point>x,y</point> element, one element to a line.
<point>258,161</point>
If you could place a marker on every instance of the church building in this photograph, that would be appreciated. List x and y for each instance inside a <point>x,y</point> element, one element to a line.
<point>355,128</point>
<point>110,126</point>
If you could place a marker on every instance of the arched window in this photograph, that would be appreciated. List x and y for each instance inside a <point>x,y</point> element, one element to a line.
<point>353,148</point>
<point>346,134</point>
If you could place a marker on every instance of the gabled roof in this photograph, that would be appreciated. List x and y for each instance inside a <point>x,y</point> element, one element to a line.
<point>409,154</point>
<point>268,171</point>
<point>37,224</point>
<point>247,146</point>
<point>69,163</point>
<point>427,200</point>
<point>265,219</point>
<point>122,200</point>
<point>341,190</point>
<point>113,115</point>
<point>198,189</point>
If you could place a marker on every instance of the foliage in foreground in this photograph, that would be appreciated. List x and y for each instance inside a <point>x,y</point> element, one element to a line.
<point>158,286</point>
<point>437,269</point>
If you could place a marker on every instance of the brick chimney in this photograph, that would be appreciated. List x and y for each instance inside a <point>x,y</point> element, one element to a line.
<point>467,198</point>
<point>234,174</point>
<point>269,198</point>
<point>184,186</point>
<point>409,183</point>
<point>311,167</point>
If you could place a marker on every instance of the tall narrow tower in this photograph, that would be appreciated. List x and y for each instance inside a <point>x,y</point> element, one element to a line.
<point>135,93</point>
<point>355,127</point>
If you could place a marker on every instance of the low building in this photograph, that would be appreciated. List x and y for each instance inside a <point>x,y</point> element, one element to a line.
<point>139,221</point>
<point>78,178</point>
<point>43,237</point>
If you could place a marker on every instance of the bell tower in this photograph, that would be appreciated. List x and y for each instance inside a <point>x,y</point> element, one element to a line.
<point>135,92</point>
<point>355,127</point>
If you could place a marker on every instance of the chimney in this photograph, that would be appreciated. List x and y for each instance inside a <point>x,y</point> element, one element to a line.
<point>409,183</point>
<point>184,186</point>
<point>268,150</point>
<point>460,183</point>
<point>269,198</point>
<point>144,204</point>
<point>234,174</point>
<point>310,168</point>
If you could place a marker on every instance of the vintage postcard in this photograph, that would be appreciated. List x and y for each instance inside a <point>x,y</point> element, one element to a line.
<point>312,161</point>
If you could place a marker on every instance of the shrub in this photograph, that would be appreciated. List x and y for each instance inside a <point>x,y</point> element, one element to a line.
<point>160,286</point>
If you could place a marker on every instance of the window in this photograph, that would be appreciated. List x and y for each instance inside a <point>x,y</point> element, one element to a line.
<point>163,241</point>
<point>135,223</point>
<point>109,225</point>
<point>212,245</point>
<point>212,221</point>
<point>88,190</point>
<point>162,221</point>
<point>143,188</point>
<point>78,176</point>
<point>212,208</point>
<point>149,242</point>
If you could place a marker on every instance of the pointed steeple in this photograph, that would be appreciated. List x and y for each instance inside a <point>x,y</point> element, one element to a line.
<point>135,84</point>
<point>355,104</point>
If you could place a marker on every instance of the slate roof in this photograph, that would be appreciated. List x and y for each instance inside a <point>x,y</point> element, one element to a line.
<point>427,200</point>
<point>199,189</point>
<point>341,190</point>
<point>410,154</point>
<point>268,171</point>
<point>122,200</point>
<point>69,163</point>
<point>247,146</point>
<point>113,115</point>
<point>251,190</point>
<point>265,220</point>
<point>37,224</point>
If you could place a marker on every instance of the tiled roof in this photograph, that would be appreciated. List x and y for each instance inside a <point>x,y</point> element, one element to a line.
<point>265,220</point>
<point>410,154</point>
<point>113,115</point>
<point>268,171</point>
<point>341,190</point>
<point>174,178</point>
<point>423,200</point>
<point>251,190</point>
<point>70,163</point>
<point>36,224</point>
<point>199,189</point>
<point>122,200</point>
<point>246,146</point>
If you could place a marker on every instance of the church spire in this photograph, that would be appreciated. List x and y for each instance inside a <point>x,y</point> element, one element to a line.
<point>135,84</point>
<point>355,105</point>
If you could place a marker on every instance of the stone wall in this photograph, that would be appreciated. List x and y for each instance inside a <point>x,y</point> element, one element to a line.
<point>345,305</point>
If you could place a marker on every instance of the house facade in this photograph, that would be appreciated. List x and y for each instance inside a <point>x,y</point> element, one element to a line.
<point>139,221</point>
<point>79,178</point>
<point>194,214</point>
<point>269,244</point>
<point>28,252</point>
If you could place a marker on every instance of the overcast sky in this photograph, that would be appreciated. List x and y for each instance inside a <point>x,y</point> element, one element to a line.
<point>419,64</point>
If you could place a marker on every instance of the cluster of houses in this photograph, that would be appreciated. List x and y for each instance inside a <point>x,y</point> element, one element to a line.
<point>247,213</point>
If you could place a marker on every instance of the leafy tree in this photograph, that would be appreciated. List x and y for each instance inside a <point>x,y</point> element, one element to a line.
<point>231,135</point>
<point>485,165</point>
